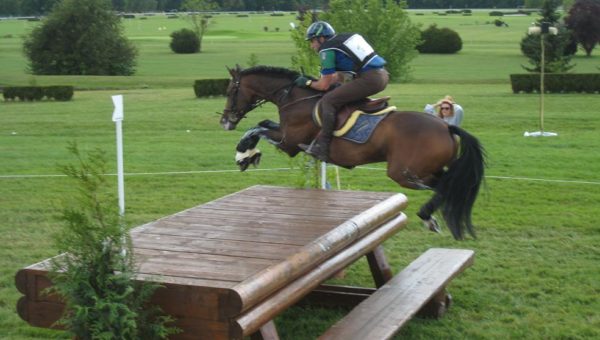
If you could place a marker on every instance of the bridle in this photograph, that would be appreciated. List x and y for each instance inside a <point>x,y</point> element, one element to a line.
<point>235,114</point>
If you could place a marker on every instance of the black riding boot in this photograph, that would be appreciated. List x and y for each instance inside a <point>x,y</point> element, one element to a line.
<point>320,147</point>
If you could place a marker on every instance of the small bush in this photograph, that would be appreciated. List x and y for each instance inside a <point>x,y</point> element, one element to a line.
<point>185,41</point>
<point>210,87</point>
<point>496,14</point>
<point>59,93</point>
<point>31,93</point>
<point>128,16</point>
<point>556,82</point>
<point>242,15</point>
<point>499,23</point>
<point>439,40</point>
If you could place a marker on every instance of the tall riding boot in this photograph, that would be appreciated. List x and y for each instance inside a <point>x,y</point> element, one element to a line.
<point>320,148</point>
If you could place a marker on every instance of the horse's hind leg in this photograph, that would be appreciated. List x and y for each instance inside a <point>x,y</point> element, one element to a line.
<point>428,209</point>
<point>406,179</point>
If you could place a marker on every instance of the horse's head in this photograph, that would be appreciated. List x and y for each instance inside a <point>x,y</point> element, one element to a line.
<point>240,100</point>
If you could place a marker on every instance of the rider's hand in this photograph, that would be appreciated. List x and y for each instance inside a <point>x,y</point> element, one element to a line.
<point>303,81</point>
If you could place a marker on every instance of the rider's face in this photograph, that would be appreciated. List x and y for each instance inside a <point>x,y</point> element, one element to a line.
<point>315,43</point>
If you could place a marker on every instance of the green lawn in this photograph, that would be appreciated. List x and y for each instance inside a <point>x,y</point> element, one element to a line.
<point>536,269</point>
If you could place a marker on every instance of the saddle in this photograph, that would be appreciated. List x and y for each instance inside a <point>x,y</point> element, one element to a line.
<point>348,115</point>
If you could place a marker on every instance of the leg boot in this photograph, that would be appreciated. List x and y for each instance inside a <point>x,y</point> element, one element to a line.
<point>320,148</point>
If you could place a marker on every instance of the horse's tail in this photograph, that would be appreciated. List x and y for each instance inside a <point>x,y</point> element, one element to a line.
<point>460,184</point>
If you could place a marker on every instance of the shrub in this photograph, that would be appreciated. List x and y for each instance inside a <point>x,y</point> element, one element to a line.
<point>80,38</point>
<point>439,40</point>
<point>210,87</point>
<point>556,82</point>
<point>496,14</point>
<point>96,278</point>
<point>59,93</point>
<point>31,93</point>
<point>185,41</point>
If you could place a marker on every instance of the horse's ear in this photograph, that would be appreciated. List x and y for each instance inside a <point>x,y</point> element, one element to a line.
<point>238,67</point>
<point>231,72</point>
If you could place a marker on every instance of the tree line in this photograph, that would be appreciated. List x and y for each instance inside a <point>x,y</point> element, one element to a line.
<point>42,7</point>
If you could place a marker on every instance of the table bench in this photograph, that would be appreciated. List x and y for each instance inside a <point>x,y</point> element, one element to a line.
<point>229,266</point>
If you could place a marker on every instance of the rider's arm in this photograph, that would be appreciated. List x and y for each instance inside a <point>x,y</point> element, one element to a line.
<point>324,82</point>
<point>328,71</point>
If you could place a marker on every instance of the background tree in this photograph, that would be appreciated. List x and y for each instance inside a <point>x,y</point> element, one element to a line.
<point>37,7</point>
<point>80,37</point>
<point>305,58</point>
<point>10,7</point>
<point>584,20</point>
<point>557,48</point>
<point>196,17</point>
<point>385,24</point>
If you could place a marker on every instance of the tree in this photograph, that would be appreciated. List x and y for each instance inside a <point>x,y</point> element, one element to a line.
<point>385,24</point>
<point>584,20</point>
<point>95,279</point>
<point>36,7</point>
<point>197,19</point>
<point>80,37</point>
<point>557,51</point>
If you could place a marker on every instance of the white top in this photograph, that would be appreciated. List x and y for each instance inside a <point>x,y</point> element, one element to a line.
<point>456,119</point>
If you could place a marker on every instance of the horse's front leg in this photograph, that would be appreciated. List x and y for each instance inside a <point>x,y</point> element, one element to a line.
<point>247,153</point>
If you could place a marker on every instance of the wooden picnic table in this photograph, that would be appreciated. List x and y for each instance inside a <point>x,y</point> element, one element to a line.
<point>231,265</point>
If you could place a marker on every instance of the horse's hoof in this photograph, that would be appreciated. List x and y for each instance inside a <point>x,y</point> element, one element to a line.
<point>433,225</point>
<point>255,160</point>
<point>243,164</point>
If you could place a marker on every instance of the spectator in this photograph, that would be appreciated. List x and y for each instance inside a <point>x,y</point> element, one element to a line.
<point>446,109</point>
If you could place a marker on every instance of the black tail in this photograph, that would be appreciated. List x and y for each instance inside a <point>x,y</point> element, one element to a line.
<point>459,186</point>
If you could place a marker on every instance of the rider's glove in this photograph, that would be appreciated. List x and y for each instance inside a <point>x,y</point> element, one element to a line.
<point>303,81</point>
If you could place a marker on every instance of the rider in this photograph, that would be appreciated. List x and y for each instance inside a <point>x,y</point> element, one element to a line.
<point>346,52</point>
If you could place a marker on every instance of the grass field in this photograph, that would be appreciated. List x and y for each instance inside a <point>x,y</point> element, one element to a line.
<point>536,270</point>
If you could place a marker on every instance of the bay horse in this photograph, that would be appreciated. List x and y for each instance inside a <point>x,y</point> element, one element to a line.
<point>421,150</point>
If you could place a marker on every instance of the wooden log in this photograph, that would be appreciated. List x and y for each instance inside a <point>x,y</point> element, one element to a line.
<point>253,319</point>
<point>260,285</point>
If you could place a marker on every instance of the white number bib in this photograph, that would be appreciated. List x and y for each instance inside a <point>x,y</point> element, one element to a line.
<point>359,46</point>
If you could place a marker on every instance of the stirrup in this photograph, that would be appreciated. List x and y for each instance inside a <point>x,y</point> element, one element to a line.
<point>309,149</point>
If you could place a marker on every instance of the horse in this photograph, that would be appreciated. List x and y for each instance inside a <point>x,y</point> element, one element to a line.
<point>421,150</point>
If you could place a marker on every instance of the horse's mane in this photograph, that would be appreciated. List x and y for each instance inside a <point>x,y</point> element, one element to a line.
<point>272,70</point>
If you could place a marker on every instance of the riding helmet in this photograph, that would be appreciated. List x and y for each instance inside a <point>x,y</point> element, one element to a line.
<point>319,29</point>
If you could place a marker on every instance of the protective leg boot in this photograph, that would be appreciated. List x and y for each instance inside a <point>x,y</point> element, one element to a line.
<point>320,147</point>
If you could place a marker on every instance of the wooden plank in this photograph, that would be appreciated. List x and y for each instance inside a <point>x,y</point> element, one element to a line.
<point>259,250</point>
<point>263,190</point>
<point>266,310</point>
<point>205,266</point>
<point>388,309</point>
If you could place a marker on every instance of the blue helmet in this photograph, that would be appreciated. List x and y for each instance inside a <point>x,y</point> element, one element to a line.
<point>319,29</point>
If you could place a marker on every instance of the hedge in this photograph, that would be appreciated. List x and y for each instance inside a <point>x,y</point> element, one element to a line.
<point>556,82</point>
<point>30,93</point>
<point>210,87</point>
